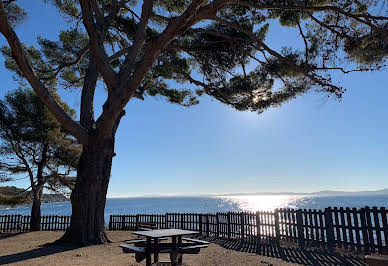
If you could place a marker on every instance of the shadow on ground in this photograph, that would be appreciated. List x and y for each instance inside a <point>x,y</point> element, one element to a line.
<point>290,254</point>
<point>42,251</point>
<point>7,235</point>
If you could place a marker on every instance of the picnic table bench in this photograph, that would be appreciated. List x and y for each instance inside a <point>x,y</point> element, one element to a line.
<point>143,248</point>
<point>146,226</point>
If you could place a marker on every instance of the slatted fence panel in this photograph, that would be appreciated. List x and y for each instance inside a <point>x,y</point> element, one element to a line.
<point>250,226</point>
<point>21,223</point>
<point>288,227</point>
<point>122,222</point>
<point>314,227</point>
<point>223,224</point>
<point>267,230</point>
<point>190,221</point>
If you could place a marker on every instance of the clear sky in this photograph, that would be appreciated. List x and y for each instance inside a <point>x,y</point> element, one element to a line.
<point>309,144</point>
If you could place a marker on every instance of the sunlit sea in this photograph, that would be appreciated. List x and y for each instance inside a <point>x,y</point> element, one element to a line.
<point>161,205</point>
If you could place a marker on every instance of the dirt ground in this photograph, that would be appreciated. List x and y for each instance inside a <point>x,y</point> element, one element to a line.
<point>30,249</point>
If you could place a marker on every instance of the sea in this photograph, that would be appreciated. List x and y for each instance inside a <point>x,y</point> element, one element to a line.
<point>209,204</point>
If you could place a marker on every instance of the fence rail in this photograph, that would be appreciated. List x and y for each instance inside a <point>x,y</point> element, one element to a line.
<point>364,229</point>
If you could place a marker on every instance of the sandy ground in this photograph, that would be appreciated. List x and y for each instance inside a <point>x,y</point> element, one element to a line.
<point>29,249</point>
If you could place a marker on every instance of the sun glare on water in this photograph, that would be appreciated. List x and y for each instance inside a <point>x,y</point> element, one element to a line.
<point>263,202</point>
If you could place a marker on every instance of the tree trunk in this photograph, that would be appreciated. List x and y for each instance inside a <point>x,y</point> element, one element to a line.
<point>35,210</point>
<point>88,197</point>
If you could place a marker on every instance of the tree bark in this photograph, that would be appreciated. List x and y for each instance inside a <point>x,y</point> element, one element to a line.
<point>35,210</point>
<point>88,198</point>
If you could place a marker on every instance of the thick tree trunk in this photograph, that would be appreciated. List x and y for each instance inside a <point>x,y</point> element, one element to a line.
<point>35,211</point>
<point>89,195</point>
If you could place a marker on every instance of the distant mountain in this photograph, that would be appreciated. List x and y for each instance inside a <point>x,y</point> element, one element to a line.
<point>22,196</point>
<point>319,193</point>
<point>352,193</point>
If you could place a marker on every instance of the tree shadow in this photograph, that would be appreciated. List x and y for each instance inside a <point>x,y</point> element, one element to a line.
<point>44,250</point>
<point>290,254</point>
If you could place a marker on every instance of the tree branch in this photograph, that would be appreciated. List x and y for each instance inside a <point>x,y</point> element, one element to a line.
<point>314,8</point>
<point>181,72</point>
<point>139,39</point>
<point>128,86</point>
<point>59,68</point>
<point>303,70</point>
<point>25,67</point>
<point>97,44</point>
<point>306,53</point>
<point>87,96</point>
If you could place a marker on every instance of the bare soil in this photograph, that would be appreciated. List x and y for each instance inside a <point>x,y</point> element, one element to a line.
<point>34,248</point>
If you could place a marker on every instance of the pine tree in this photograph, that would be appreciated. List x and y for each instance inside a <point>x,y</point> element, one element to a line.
<point>35,146</point>
<point>155,48</point>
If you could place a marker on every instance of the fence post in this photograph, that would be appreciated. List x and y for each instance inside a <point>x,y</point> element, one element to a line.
<point>218,225</point>
<point>299,224</point>
<point>137,222</point>
<point>242,225</point>
<point>182,227</point>
<point>365,236</point>
<point>207,224</point>
<point>122,222</point>
<point>166,220</point>
<point>228,217</point>
<point>258,232</point>
<point>200,223</point>
<point>329,229</point>
<point>277,227</point>
<point>19,216</point>
<point>385,227</point>
<point>110,222</point>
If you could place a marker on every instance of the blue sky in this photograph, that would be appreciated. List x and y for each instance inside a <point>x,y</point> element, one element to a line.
<point>309,144</point>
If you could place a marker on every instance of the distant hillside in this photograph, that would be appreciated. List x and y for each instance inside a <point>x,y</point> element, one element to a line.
<point>12,195</point>
<point>351,193</point>
<point>319,193</point>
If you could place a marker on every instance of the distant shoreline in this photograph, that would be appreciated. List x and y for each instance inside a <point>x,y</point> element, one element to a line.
<point>326,193</point>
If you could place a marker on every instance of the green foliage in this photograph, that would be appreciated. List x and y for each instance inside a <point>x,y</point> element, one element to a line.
<point>67,7</point>
<point>15,13</point>
<point>219,49</point>
<point>173,6</point>
<point>225,56</point>
<point>369,49</point>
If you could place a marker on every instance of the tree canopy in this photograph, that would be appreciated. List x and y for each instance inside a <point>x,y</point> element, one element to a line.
<point>219,40</point>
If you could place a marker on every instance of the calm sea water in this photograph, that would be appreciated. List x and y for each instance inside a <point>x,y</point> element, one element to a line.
<point>161,205</point>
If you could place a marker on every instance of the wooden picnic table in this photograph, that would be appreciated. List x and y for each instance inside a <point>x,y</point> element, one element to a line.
<point>152,245</point>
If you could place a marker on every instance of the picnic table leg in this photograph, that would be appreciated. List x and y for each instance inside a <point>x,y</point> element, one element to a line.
<point>156,253</point>
<point>148,255</point>
<point>180,256</point>
<point>174,252</point>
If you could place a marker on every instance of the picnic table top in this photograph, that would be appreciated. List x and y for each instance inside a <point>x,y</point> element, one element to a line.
<point>164,233</point>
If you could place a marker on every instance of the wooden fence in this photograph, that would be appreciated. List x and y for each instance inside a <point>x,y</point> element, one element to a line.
<point>20,223</point>
<point>364,229</point>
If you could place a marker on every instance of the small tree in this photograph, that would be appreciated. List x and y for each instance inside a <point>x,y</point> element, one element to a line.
<point>33,143</point>
<point>137,48</point>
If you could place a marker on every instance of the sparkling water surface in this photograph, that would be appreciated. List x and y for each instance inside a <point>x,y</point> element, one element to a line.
<point>161,205</point>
